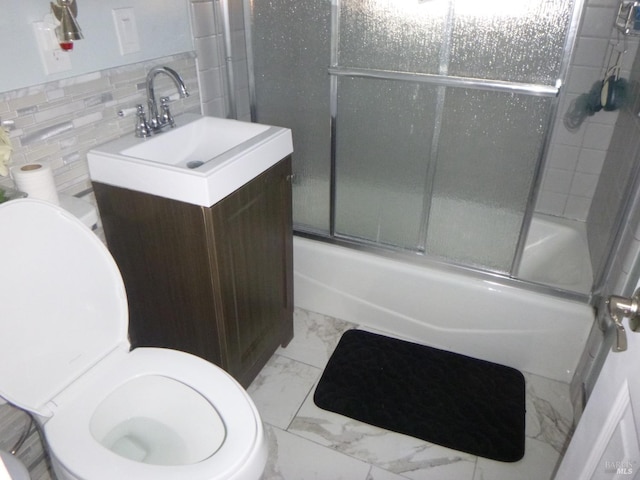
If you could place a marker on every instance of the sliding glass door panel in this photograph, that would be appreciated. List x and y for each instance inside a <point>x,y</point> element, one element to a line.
<point>516,41</point>
<point>291,48</point>
<point>489,147</point>
<point>383,148</point>
<point>394,35</point>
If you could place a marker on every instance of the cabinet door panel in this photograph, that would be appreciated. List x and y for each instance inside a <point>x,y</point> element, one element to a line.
<point>253,258</point>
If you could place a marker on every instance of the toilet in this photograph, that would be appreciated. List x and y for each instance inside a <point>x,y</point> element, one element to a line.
<point>107,412</point>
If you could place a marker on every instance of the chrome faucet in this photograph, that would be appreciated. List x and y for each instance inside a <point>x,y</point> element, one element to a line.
<point>160,119</point>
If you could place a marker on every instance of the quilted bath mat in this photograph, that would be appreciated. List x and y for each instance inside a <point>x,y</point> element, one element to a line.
<point>441,397</point>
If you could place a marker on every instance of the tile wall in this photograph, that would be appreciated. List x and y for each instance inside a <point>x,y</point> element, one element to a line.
<point>617,167</point>
<point>212,61</point>
<point>575,158</point>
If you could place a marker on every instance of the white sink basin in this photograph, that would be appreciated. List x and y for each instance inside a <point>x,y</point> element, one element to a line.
<point>201,161</point>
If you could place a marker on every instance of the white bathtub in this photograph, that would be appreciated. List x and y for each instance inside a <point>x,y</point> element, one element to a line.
<point>556,254</point>
<point>529,331</point>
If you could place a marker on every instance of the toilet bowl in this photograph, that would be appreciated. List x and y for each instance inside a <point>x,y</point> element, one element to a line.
<point>107,411</point>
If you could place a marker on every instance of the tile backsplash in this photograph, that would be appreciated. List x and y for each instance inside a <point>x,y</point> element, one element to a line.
<point>58,122</point>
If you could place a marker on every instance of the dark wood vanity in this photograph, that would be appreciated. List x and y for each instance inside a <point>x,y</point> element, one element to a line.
<point>213,281</point>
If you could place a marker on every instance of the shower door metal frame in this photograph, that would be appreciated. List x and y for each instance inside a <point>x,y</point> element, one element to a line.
<point>442,80</point>
<point>569,49</point>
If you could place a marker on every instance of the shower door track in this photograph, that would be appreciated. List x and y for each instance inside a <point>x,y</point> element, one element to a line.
<point>532,89</point>
<point>399,254</point>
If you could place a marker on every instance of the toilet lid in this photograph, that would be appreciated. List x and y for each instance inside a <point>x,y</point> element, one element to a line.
<point>63,305</point>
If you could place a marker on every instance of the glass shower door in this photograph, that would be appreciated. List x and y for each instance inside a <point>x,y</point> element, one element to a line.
<point>383,150</point>
<point>489,148</point>
<point>427,134</point>
<point>291,50</point>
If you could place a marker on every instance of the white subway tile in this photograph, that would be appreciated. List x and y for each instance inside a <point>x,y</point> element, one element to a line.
<point>598,136</point>
<point>557,181</point>
<point>598,21</point>
<point>202,19</point>
<point>215,108</point>
<point>208,51</point>
<point>551,203</point>
<point>577,208</point>
<point>582,79</point>
<point>583,184</point>
<point>563,157</point>
<point>211,84</point>
<point>591,161</point>
<point>590,52</point>
<point>563,136</point>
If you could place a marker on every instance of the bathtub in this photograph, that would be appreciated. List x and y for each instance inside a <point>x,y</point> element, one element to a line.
<point>443,308</point>
<point>556,254</point>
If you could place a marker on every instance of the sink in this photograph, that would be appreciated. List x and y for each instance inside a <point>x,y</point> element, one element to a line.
<point>200,161</point>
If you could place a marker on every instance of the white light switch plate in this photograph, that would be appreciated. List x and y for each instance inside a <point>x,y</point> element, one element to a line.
<point>126,30</point>
<point>54,59</point>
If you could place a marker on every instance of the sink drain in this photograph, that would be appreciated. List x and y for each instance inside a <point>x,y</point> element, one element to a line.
<point>194,164</point>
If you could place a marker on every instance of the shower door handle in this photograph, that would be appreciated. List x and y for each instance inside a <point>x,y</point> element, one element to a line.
<point>620,307</point>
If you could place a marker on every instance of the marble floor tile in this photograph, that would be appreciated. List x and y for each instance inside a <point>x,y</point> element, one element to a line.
<point>390,451</point>
<point>393,456</point>
<point>292,457</point>
<point>379,474</point>
<point>539,463</point>
<point>549,411</point>
<point>280,388</point>
<point>315,337</point>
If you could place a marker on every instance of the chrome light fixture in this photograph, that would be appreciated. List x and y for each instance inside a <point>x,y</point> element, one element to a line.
<point>66,12</point>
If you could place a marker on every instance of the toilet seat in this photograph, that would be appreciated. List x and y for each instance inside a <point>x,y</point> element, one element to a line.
<point>69,427</point>
<point>64,304</point>
<point>64,350</point>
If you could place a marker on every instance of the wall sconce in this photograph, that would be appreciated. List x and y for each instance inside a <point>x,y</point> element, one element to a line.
<point>66,12</point>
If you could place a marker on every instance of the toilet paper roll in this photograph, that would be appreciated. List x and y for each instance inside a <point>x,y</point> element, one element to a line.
<point>36,180</point>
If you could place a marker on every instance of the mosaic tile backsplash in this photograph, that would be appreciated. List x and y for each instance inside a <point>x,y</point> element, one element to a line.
<point>58,122</point>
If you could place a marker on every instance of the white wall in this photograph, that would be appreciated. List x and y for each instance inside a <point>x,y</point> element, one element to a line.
<point>163,27</point>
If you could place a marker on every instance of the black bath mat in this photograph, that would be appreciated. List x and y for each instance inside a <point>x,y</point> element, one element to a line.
<point>444,398</point>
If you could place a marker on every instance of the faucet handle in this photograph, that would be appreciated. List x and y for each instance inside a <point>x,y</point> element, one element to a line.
<point>142,126</point>
<point>166,118</point>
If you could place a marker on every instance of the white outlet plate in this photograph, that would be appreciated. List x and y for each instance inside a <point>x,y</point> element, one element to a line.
<point>54,59</point>
<point>126,30</point>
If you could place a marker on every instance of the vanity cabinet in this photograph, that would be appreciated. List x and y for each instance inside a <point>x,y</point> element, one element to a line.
<point>213,281</point>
